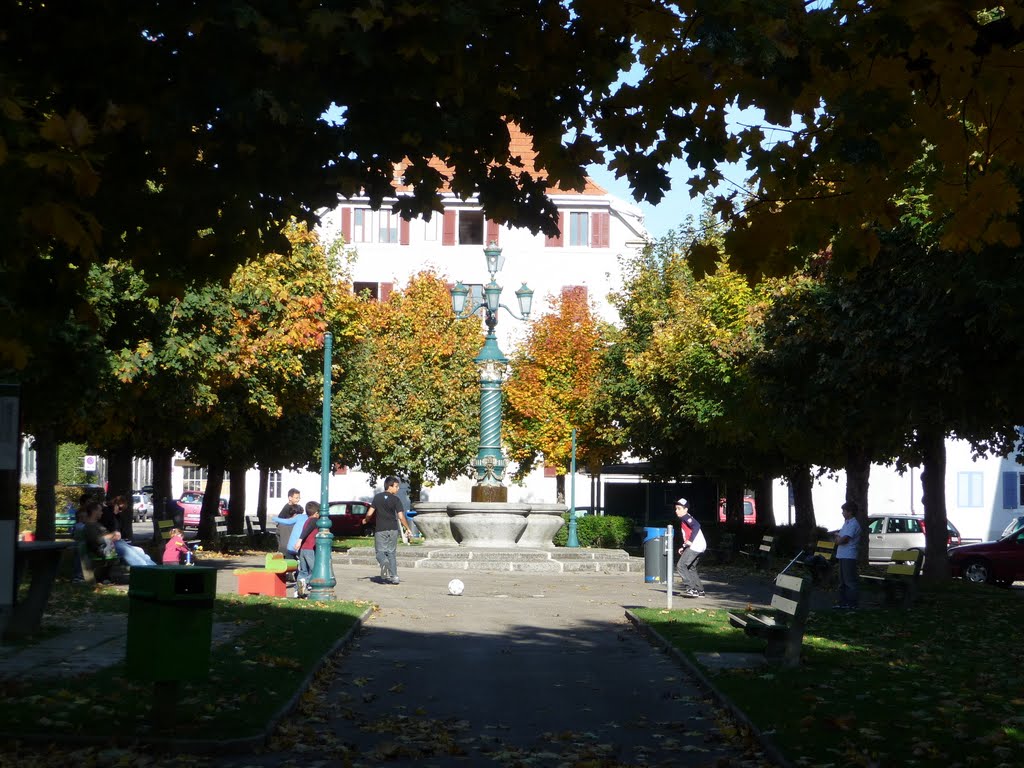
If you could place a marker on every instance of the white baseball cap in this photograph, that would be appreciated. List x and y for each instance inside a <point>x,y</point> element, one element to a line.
<point>682,503</point>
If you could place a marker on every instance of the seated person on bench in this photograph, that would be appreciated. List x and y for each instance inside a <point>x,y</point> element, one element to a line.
<point>100,539</point>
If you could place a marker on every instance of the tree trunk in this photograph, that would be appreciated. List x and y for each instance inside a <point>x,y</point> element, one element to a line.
<point>803,506</point>
<point>119,483</point>
<point>734,504</point>
<point>46,478</point>
<point>858,473</point>
<point>261,503</point>
<point>763,496</point>
<point>237,503</point>
<point>163,459</point>
<point>210,510</point>
<point>933,484</point>
<point>415,487</point>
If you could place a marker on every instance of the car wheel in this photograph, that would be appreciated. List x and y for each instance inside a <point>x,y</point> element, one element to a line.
<point>977,572</point>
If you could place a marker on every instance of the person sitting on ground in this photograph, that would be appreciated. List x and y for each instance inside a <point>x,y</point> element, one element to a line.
<point>176,550</point>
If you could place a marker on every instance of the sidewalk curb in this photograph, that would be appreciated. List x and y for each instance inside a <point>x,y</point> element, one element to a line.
<point>771,751</point>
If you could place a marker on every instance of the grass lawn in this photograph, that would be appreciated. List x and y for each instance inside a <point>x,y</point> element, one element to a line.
<point>252,675</point>
<point>939,685</point>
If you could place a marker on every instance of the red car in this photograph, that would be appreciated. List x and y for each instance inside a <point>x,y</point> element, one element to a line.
<point>749,510</point>
<point>995,562</point>
<point>192,503</point>
<point>347,518</point>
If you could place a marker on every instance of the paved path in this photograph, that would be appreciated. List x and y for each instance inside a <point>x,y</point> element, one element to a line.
<point>522,669</point>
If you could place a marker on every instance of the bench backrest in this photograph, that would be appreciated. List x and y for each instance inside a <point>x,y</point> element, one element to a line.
<point>825,548</point>
<point>792,597</point>
<point>164,526</point>
<point>767,545</point>
<point>905,562</point>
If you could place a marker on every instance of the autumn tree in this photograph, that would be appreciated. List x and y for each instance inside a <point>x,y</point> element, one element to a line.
<point>406,400</point>
<point>553,388</point>
<point>841,103</point>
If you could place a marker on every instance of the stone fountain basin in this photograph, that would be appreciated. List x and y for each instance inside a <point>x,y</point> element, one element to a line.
<point>498,525</point>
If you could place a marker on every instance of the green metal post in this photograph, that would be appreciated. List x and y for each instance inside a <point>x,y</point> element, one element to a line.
<point>573,539</point>
<point>321,585</point>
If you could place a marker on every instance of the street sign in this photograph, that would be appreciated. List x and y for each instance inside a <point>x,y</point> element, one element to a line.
<point>89,463</point>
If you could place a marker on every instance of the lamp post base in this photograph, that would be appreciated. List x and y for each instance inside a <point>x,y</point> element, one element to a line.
<point>498,493</point>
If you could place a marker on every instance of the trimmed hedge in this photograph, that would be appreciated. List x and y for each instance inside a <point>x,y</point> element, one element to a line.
<point>605,532</point>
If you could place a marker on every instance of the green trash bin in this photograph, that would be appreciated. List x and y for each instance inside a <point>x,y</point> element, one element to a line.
<point>170,622</point>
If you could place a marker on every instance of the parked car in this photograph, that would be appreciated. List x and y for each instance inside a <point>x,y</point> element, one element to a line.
<point>994,562</point>
<point>889,533</point>
<point>1015,524</point>
<point>749,510</point>
<point>142,506</point>
<point>192,503</point>
<point>347,518</point>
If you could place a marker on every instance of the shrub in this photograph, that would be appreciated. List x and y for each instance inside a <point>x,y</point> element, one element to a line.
<point>27,508</point>
<point>606,532</point>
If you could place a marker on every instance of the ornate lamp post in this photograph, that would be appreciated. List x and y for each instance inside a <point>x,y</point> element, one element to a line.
<point>322,581</point>
<point>490,461</point>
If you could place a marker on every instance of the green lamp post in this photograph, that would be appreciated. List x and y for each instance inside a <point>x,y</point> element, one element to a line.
<point>490,460</point>
<point>321,585</point>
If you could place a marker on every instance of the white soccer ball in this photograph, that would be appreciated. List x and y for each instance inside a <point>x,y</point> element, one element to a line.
<point>456,587</point>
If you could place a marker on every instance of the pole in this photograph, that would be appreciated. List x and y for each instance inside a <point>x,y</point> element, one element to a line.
<point>322,582</point>
<point>670,582</point>
<point>573,539</point>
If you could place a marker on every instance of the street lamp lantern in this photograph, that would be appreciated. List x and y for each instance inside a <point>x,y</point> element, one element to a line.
<point>525,297</point>
<point>490,460</point>
<point>495,261</point>
<point>459,294</point>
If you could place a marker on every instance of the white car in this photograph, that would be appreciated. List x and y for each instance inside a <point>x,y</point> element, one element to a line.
<point>142,507</point>
<point>892,532</point>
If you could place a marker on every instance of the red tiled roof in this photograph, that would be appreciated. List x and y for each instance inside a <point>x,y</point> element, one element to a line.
<point>521,145</point>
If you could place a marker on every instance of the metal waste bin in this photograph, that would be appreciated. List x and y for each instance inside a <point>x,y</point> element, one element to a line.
<point>655,563</point>
<point>170,621</point>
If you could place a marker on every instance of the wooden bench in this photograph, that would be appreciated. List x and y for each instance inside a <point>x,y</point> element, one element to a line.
<point>901,577</point>
<point>783,629</point>
<point>820,564</point>
<point>97,567</point>
<point>764,554</point>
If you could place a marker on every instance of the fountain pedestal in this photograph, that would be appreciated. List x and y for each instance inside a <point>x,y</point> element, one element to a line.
<point>494,525</point>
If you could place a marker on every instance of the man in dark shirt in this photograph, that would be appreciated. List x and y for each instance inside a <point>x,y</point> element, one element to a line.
<point>389,512</point>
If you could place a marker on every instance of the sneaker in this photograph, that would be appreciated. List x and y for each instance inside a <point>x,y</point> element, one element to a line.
<point>698,593</point>
<point>394,580</point>
<point>300,590</point>
<point>691,593</point>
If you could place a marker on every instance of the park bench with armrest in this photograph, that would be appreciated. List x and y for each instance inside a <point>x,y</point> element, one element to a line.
<point>820,563</point>
<point>901,578</point>
<point>764,554</point>
<point>96,566</point>
<point>725,550</point>
<point>783,628</point>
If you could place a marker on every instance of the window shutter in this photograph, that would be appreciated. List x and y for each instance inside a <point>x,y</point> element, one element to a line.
<point>385,290</point>
<point>1010,488</point>
<point>550,471</point>
<point>556,242</point>
<point>599,235</point>
<point>403,232</point>
<point>492,232</point>
<point>346,224</point>
<point>448,228</point>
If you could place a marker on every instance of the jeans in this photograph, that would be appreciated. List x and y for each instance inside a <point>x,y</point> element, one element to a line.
<point>306,559</point>
<point>687,569</point>
<point>386,544</point>
<point>849,591</point>
<point>132,555</point>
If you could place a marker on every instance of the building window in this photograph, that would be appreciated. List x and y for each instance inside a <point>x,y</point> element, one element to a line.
<point>388,232</point>
<point>362,225</point>
<point>274,485</point>
<point>367,290</point>
<point>968,489</point>
<point>28,459</point>
<point>471,228</point>
<point>194,478</point>
<point>579,229</point>
<point>432,228</point>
